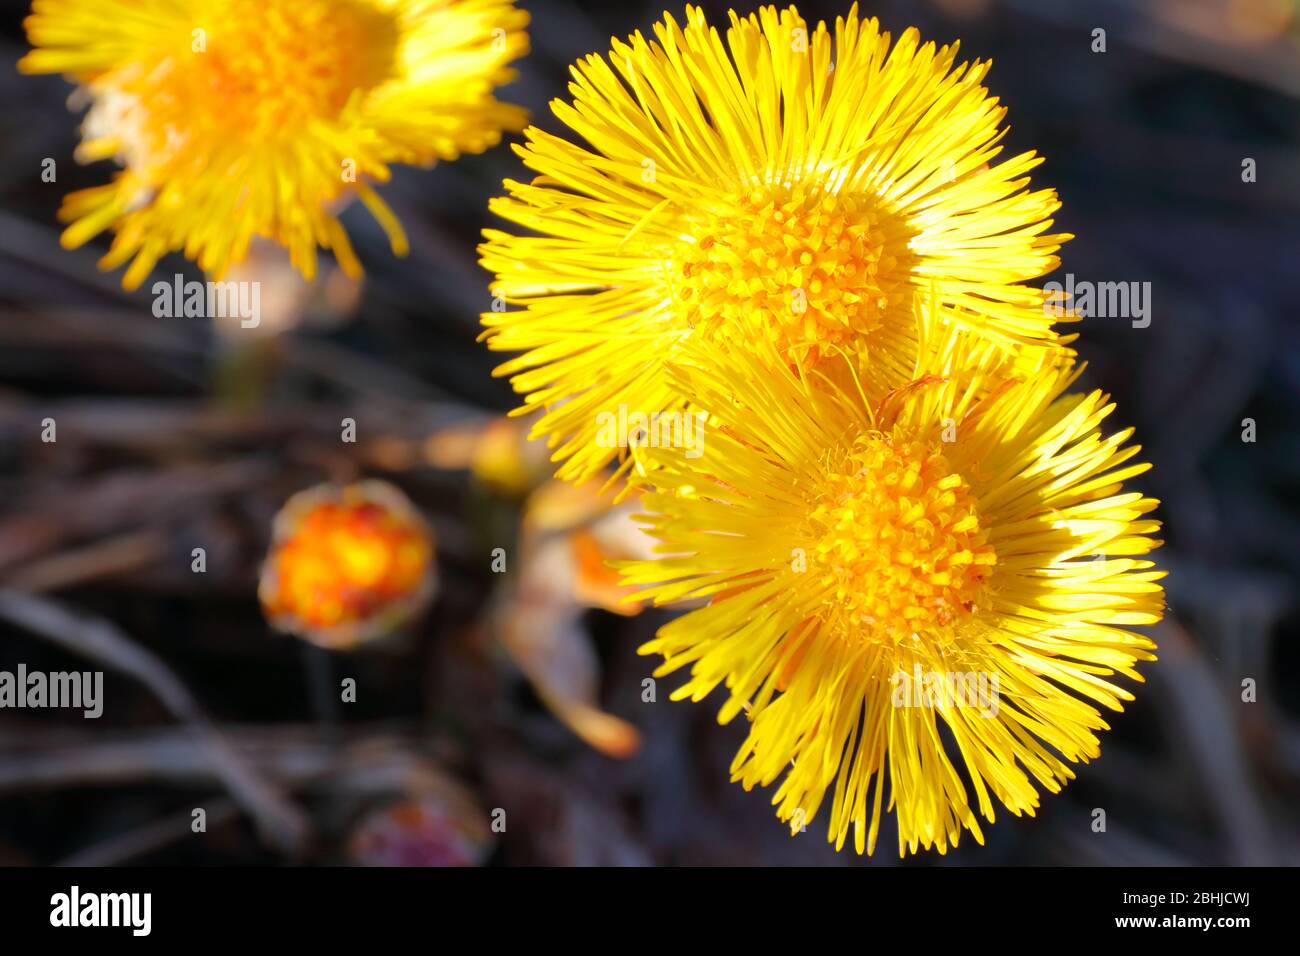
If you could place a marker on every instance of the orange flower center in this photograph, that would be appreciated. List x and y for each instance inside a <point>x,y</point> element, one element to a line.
<point>244,72</point>
<point>897,541</point>
<point>809,268</point>
<point>346,563</point>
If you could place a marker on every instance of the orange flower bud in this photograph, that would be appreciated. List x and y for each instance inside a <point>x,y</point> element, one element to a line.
<point>347,564</point>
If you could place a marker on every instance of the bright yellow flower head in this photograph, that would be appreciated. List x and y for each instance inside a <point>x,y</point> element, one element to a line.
<point>790,185</point>
<point>242,118</point>
<point>929,592</point>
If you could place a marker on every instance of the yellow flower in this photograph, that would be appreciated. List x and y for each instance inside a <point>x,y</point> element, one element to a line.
<point>932,590</point>
<point>242,118</point>
<point>792,185</point>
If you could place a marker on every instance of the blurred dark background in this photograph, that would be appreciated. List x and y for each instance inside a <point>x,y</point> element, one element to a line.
<point>172,436</point>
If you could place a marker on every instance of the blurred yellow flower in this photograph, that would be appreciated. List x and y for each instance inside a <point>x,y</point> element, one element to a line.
<point>931,590</point>
<point>347,564</point>
<point>568,538</point>
<point>242,118</point>
<point>793,184</point>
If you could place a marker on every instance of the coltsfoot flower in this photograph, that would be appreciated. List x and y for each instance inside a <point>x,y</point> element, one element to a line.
<point>347,564</point>
<point>792,184</point>
<point>442,830</point>
<point>928,594</point>
<point>242,118</point>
